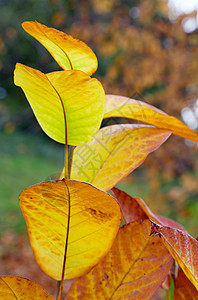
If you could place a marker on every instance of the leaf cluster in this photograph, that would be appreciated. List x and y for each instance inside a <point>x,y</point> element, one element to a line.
<point>73,223</point>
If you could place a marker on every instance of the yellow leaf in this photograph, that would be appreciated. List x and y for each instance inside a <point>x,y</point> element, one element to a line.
<point>115,152</point>
<point>184,289</point>
<point>18,288</point>
<point>70,53</point>
<point>182,247</point>
<point>65,96</point>
<point>57,210</point>
<point>118,106</point>
<point>134,268</point>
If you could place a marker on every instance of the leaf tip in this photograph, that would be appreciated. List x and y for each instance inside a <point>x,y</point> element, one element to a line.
<point>25,24</point>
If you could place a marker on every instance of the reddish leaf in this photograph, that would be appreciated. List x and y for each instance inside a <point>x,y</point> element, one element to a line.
<point>135,209</point>
<point>134,268</point>
<point>184,289</point>
<point>130,207</point>
<point>182,247</point>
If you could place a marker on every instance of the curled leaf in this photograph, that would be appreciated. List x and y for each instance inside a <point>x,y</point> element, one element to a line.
<point>118,106</point>
<point>70,53</point>
<point>131,270</point>
<point>182,247</point>
<point>73,215</point>
<point>115,152</point>
<point>62,99</point>
<point>18,288</point>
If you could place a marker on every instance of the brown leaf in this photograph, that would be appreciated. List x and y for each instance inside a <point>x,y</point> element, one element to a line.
<point>134,268</point>
<point>130,207</point>
<point>135,209</point>
<point>182,247</point>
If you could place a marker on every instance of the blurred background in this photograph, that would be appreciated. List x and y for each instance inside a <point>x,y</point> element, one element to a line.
<point>147,50</point>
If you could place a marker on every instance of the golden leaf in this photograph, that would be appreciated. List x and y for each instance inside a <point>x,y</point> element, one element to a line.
<point>115,152</point>
<point>73,215</point>
<point>118,106</point>
<point>18,288</point>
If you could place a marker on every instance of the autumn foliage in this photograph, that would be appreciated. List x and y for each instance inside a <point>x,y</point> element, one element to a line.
<point>74,225</point>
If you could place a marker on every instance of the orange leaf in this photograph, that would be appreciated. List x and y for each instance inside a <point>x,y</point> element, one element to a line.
<point>18,288</point>
<point>118,106</point>
<point>71,215</point>
<point>182,247</point>
<point>134,268</point>
<point>184,289</point>
<point>115,152</point>
<point>70,53</point>
<point>135,209</point>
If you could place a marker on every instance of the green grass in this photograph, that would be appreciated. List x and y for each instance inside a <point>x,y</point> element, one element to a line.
<point>24,160</point>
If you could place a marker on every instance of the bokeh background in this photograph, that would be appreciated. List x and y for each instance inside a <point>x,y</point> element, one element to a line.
<point>147,50</point>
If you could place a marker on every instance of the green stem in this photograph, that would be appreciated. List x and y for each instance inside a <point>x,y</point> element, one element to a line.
<point>71,151</point>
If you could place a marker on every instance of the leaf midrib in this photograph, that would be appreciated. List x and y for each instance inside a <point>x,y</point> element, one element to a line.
<point>67,56</point>
<point>121,281</point>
